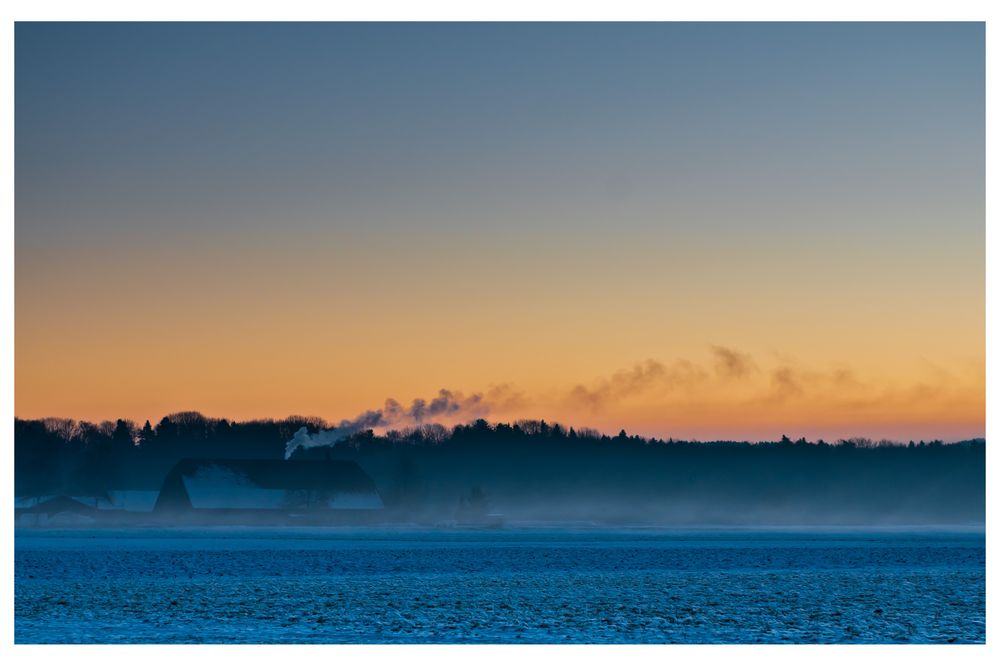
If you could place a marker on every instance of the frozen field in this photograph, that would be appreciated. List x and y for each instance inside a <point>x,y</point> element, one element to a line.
<point>292,585</point>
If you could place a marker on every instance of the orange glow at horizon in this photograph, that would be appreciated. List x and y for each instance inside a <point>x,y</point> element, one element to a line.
<point>250,345</point>
<point>272,330</point>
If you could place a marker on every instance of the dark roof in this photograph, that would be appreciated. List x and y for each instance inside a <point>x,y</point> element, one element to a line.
<point>326,476</point>
<point>59,505</point>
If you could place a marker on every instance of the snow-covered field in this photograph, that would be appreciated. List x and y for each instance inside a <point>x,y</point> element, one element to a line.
<point>527,585</point>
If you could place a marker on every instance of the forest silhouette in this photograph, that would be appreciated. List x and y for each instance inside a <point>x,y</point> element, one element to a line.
<point>534,470</point>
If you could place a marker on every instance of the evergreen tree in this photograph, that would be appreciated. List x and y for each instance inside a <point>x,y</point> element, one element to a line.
<point>146,436</point>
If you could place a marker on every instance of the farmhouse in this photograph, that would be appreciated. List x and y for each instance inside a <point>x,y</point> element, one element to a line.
<point>283,487</point>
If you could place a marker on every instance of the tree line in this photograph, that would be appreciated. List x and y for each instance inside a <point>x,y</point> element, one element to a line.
<point>527,458</point>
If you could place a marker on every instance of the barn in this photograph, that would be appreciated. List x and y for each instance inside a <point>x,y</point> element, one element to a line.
<point>267,487</point>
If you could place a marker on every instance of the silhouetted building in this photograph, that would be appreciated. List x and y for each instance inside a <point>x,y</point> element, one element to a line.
<point>287,487</point>
<point>53,510</point>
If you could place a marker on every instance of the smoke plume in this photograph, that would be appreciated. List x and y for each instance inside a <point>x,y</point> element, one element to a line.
<point>651,376</point>
<point>447,404</point>
<point>732,364</point>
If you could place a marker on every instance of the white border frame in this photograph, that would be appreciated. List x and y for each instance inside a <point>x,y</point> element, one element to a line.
<point>522,10</point>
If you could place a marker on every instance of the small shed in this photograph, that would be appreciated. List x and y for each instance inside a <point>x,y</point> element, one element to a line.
<point>55,510</point>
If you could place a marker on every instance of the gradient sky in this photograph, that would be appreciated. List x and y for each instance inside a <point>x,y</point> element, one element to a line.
<point>697,230</point>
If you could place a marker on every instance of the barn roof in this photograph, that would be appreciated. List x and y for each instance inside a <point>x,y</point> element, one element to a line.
<point>251,478</point>
<point>59,504</point>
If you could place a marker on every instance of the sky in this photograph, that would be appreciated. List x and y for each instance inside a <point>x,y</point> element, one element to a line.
<point>682,230</point>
